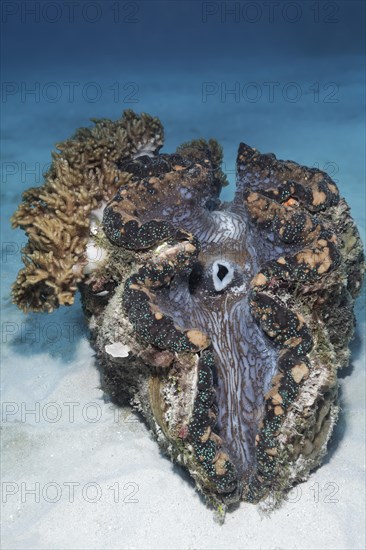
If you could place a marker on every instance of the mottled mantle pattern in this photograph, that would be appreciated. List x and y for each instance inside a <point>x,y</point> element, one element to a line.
<point>225,324</point>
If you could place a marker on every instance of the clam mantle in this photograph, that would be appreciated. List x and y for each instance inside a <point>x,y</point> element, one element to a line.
<point>224,324</point>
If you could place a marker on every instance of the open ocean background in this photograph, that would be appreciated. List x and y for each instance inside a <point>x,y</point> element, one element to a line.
<point>284,77</point>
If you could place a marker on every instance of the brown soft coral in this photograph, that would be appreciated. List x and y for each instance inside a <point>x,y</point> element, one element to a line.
<point>84,173</point>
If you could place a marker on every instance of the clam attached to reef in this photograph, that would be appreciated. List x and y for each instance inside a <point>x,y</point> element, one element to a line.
<point>224,324</point>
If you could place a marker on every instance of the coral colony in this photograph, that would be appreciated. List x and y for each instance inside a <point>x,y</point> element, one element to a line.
<point>224,324</point>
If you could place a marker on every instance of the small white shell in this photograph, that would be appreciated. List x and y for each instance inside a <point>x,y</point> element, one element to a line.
<point>117,349</point>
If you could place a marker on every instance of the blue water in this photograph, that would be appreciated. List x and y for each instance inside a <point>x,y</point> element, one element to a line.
<point>285,77</point>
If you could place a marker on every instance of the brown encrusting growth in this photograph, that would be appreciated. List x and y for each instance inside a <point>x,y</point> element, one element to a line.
<point>56,216</point>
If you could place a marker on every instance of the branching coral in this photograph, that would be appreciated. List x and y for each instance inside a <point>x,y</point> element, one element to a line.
<point>56,216</point>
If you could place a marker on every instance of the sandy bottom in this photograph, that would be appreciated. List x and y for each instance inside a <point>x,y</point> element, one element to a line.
<point>77,472</point>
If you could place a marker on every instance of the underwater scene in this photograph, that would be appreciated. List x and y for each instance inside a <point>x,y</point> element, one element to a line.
<point>182,283</point>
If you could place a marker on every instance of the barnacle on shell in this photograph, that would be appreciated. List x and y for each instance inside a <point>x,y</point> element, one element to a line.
<point>227,315</point>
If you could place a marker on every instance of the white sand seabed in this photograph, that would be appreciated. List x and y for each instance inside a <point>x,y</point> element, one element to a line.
<point>95,478</point>
<point>78,473</point>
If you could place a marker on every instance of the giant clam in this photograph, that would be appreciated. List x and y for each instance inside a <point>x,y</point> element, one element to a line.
<point>224,324</point>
